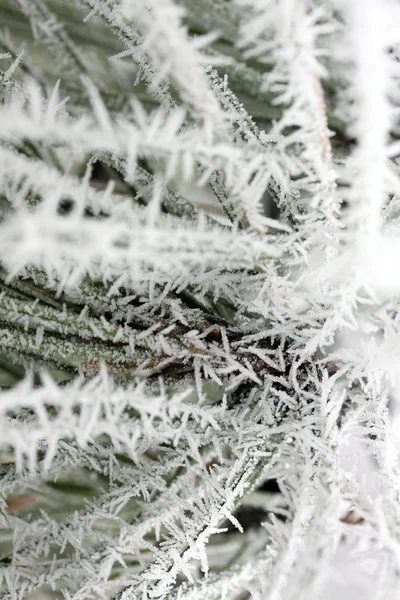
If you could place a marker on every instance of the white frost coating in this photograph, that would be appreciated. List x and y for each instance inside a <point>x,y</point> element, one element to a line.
<point>177,57</point>
<point>197,358</point>
<point>287,34</point>
<point>370,20</point>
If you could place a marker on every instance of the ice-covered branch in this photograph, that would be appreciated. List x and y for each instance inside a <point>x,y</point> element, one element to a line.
<point>286,34</point>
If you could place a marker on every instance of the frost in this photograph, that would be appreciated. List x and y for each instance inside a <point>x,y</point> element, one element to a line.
<point>199,300</point>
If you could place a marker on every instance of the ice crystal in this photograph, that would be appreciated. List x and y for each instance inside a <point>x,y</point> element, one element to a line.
<point>199,311</point>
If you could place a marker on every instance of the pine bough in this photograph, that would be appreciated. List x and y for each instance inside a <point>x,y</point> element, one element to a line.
<point>199,304</point>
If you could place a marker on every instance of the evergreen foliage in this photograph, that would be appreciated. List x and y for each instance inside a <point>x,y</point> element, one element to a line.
<point>199,303</point>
